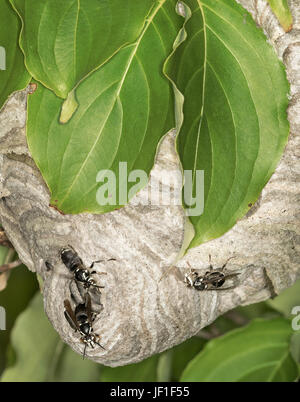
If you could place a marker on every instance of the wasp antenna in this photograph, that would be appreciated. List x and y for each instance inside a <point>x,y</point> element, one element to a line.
<point>96,262</point>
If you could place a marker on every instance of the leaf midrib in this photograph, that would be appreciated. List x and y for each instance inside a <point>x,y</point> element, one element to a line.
<point>135,49</point>
<point>203,94</point>
<point>75,39</point>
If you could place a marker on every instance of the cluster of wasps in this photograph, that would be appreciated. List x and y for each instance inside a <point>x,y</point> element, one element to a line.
<point>81,318</point>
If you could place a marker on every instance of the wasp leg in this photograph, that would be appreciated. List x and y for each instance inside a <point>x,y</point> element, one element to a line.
<point>94,285</point>
<point>99,261</point>
<point>223,266</point>
<point>100,345</point>
<point>97,342</point>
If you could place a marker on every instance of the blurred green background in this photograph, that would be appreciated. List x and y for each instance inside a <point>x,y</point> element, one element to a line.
<point>253,343</point>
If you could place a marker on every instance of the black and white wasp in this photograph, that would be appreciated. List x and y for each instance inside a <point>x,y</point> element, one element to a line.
<point>213,279</point>
<point>81,273</point>
<point>81,319</point>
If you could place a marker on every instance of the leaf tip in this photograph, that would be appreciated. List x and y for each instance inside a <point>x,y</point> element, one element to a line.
<point>68,108</point>
<point>288,28</point>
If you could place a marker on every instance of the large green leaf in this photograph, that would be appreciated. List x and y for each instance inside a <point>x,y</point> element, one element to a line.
<point>63,41</point>
<point>126,106</point>
<point>40,355</point>
<point>235,124</point>
<point>258,352</point>
<point>281,10</point>
<point>13,74</point>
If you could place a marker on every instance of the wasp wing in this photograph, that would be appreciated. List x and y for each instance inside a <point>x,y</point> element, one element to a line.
<point>70,316</point>
<point>230,276</point>
<point>88,306</point>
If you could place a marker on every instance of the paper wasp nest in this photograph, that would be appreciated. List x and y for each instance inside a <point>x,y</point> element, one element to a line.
<point>147,308</point>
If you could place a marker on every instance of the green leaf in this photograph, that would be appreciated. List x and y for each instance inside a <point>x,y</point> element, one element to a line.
<point>126,106</point>
<point>14,298</point>
<point>3,253</point>
<point>240,317</point>
<point>145,371</point>
<point>257,310</point>
<point>235,124</point>
<point>289,298</point>
<point>164,366</point>
<point>6,256</point>
<point>295,347</point>
<point>71,367</point>
<point>281,9</point>
<point>63,41</point>
<point>13,74</point>
<point>258,352</point>
<point>41,355</point>
<point>34,342</point>
<point>183,354</point>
